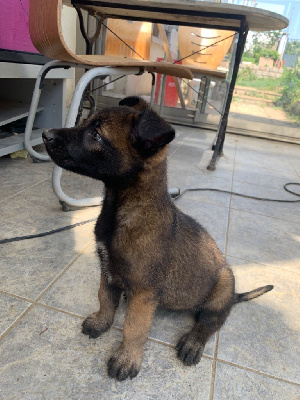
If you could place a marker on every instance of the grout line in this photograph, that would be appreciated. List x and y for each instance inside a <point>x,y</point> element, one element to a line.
<point>70,313</point>
<point>158,341</point>
<point>35,301</point>
<point>290,162</point>
<point>277,188</point>
<point>214,359</point>
<point>264,215</point>
<point>203,201</point>
<point>23,190</point>
<point>264,265</point>
<point>62,272</point>
<point>239,209</point>
<point>230,200</point>
<point>179,146</point>
<point>277,378</point>
<point>16,322</point>
<point>16,296</point>
<point>213,369</point>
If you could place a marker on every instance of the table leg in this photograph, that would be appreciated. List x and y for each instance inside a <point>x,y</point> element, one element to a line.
<point>224,118</point>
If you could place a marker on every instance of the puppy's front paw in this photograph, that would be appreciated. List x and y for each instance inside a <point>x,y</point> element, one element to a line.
<point>124,365</point>
<point>94,325</point>
<point>189,349</point>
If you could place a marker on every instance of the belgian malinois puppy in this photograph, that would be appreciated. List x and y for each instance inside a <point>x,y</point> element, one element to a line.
<point>148,248</point>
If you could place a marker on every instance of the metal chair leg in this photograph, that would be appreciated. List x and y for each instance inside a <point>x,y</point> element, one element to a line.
<point>34,105</point>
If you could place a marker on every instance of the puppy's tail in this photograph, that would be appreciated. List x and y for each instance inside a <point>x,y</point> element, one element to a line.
<point>253,294</point>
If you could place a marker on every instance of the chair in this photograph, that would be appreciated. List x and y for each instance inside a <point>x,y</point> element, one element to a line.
<point>202,51</point>
<point>46,35</point>
<point>203,48</point>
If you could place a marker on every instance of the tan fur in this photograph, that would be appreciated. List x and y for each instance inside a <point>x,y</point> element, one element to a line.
<point>148,248</point>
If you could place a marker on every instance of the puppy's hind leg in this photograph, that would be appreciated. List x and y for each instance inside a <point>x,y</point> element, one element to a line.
<point>209,319</point>
<point>99,322</point>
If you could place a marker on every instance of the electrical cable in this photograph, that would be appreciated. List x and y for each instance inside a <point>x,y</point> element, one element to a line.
<point>64,228</point>
<point>245,195</point>
<point>42,234</point>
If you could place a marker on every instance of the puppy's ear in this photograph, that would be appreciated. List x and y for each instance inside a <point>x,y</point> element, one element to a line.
<point>135,102</point>
<point>150,133</point>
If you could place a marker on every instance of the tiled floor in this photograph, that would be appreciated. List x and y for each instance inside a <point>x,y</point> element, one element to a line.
<point>49,284</point>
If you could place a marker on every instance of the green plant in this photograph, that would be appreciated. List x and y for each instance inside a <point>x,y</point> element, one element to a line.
<point>293,47</point>
<point>263,45</point>
<point>268,53</point>
<point>246,74</point>
<point>290,93</point>
<point>248,59</point>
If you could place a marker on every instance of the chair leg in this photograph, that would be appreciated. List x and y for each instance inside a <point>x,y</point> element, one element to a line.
<point>67,202</point>
<point>227,84</point>
<point>34,104</point>
<point>152,89</point>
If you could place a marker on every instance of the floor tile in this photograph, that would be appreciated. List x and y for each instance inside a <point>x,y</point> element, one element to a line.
<point>47,357</point>
<point>189,133</point>
<point>78,186</point>
<point>18,174</point>
<point>288,211</point>
<point>191,181</point>
<point>292,153</point>
<point>168,326</point>
<point>264,240</point>
<point>27,267</point>
<point>264,334</point>
<point>77,292</point>
<point>212,217</point>
<point>274,176</point>
<point>38,210</point>
<point>10,309</point>
<point>195,152</point>
<point>186,160</point>
<point>238,384</point>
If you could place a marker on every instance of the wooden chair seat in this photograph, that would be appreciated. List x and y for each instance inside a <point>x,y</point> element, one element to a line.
<point>162,67</point>
<point>214,73</point>
<point>46,34</point>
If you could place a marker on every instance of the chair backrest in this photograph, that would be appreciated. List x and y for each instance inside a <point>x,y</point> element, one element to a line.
<point>46,35</point>
<point>191,40</point>
<point>46,31</point>
<point>136,34</point>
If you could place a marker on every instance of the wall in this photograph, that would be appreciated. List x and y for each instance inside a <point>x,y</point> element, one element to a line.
<point>260,72</point>
<point>263,72</point>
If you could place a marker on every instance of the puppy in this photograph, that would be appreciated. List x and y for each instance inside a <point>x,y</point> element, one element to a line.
<point>148,248</point>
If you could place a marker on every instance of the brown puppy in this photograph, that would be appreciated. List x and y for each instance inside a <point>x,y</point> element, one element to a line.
<point>148,248</point>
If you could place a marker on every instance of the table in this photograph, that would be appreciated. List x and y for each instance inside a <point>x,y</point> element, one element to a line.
<point>204,14</point>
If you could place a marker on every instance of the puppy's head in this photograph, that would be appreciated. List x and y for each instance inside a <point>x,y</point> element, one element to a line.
<point>114,144</point>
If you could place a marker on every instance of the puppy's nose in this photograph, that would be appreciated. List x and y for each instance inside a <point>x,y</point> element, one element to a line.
<point>48,135</point>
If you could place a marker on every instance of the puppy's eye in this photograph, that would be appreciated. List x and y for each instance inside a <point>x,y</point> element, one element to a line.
<point>96,136</point>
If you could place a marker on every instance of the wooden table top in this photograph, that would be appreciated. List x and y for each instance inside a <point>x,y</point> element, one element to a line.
<point>186,12</point>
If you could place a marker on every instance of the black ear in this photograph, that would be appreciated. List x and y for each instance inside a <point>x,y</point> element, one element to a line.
<point>135,102</point>
<point>151,133</point>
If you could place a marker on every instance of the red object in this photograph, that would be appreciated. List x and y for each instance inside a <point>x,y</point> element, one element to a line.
<point>14,30</point>
<point>171,95</point>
